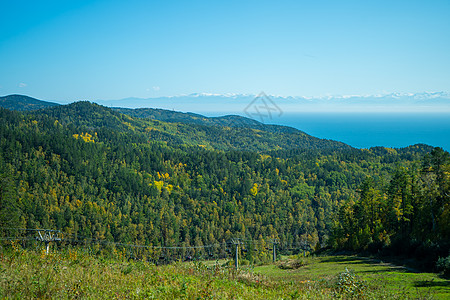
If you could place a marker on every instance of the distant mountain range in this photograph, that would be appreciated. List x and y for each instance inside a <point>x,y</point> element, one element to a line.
<point>242,103</point>
<point>252,105</point>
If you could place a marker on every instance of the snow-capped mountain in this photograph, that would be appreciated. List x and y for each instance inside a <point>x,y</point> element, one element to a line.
<point>237,103</point>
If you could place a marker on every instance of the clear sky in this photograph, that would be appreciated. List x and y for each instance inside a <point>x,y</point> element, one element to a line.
<point>75,50</point>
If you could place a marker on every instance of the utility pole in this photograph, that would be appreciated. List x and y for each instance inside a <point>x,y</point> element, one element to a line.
<point>275,242</point>
<point>47,236</point>
<point>236,242</point>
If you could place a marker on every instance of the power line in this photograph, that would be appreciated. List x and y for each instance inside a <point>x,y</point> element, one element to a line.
<point>51,235</point>
<point>16,238</point>
<point>63,237</point>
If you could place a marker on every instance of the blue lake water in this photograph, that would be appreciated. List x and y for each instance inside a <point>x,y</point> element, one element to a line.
<point>364,130</point>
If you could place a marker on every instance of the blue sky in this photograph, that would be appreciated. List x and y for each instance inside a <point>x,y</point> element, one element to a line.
<point>75,50</point>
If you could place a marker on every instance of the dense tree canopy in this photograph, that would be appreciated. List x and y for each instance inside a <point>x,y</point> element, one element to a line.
<point>92,172</point>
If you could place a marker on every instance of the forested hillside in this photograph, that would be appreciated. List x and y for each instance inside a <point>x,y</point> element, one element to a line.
<point>191,118</point>
<point>21,102</point>
<point>90,171</point>
<point>410,213</point>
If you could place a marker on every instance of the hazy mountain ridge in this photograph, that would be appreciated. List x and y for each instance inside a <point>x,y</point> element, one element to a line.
<point>240,103</point>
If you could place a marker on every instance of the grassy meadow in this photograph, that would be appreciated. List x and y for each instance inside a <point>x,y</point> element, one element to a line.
<point>381,279</point>
<point>76,274</point>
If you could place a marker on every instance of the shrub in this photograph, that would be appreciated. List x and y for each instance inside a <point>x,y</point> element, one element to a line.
<point>348,285</point>
<point>293,263</point>
<point>443,265</point>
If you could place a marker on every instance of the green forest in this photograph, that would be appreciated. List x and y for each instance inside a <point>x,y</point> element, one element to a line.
<point>156,178</point>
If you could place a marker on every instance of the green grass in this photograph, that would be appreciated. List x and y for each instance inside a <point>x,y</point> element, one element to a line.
<point>395,280</point>
<point>76,274</point>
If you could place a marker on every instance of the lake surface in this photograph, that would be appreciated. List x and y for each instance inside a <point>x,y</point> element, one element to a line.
<point>364,130</point>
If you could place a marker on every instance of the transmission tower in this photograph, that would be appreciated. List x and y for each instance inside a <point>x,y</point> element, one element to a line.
<point>274,242</point>
<point>47,236</point>
<point>236,242</point>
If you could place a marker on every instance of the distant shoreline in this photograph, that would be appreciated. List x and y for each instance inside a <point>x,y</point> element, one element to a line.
<point>371,129</point>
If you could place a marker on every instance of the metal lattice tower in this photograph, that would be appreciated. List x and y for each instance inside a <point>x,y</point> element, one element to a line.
<point>236,242</point>
<point>274,242</point>
<point>47,236</point>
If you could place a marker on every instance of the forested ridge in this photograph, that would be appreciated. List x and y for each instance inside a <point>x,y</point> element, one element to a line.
<point>24,103</point>
<point>91,171</point>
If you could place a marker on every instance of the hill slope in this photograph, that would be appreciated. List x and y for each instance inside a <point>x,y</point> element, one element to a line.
<point>23,103</point>
<point>93,172</point>
<point>192,118</point>
<point>224,133</point>
<point>97,174</point>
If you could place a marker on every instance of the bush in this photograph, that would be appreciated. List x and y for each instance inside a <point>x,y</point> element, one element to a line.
<point>292,263</point>
<point>348,286</point>
<point>443,265</point>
